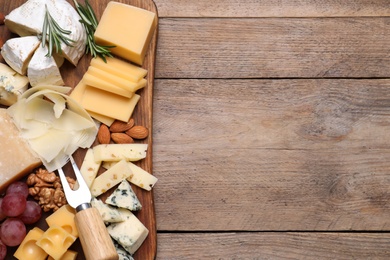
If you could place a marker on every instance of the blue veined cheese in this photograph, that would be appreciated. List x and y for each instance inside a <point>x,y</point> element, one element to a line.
<point>117,152</point>
<point>139,176</point>
<point>124,197</point>
<point>109,214</point>
<point>130,233</point>
<point>122,253</point>
<point>12,85</point>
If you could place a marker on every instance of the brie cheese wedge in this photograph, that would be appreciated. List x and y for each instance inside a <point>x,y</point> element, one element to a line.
<point>18,51</point>
<point>28,19</point>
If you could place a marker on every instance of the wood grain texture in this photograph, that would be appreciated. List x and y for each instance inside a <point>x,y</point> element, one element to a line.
<point>142,116</point>
<point>272,154</point>
<point>271,8</point>
<point>342,246</point>
<point>274,48</point>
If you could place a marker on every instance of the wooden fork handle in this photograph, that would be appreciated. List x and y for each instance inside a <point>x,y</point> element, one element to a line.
<point>94,237</point>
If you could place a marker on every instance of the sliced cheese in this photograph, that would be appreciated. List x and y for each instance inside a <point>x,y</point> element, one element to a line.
<point>124,197</point>
<point>28,250</point>
<point>28,19</point>
<point>120,68</point>
<point>108,213</point>
<point>117,152</point>
<point>17,52</point>
<point>110,178</point>
<point>43,70</point>
<point>89,168</point>
<point>108,104</point>
<point>139,25</point>
<point>12,85</point>
<point>16,156</point>
<point>130,233</point>
<point>96,82</point>
<point>117,81</point>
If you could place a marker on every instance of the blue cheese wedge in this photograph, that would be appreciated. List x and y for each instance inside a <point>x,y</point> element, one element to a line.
<point>109,214</point>
<point>130,233</point>
<point>122,253</point>
<point>12,85</point>
<point>124,197</point>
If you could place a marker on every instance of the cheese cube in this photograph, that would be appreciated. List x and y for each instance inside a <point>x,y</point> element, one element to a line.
<point>128,28</point>
<point>109,104</point>
<point>16,156</point>
<point>69,255</point>
<point>28,250</point>
<point>55,241</point>
<point>120,68</point>
<point>129,233</point>
<point>117,152</point>
<point>110,178</point>
<point>64,218</point>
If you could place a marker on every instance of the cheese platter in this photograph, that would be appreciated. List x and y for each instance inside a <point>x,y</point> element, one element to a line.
<point>72,73</point>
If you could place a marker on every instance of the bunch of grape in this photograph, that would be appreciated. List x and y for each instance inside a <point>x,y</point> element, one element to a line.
<point>16,212</point>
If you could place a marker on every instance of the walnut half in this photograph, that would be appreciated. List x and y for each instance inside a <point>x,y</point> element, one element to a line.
<point>47,189</point>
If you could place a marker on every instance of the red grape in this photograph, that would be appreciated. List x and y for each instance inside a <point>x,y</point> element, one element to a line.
<point>13,204</point>
<point>3,251</point>
<point>2,216</point>
<point>18,187</point>
<point>12,232</point>
<point>32,213</point>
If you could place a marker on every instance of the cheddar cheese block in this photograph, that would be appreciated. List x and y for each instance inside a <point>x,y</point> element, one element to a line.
<point>16,156</point>
<point>128,28</point>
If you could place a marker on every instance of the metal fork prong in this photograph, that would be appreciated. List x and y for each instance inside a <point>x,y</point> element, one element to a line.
<point>64,181</point>
<point>79,177</point>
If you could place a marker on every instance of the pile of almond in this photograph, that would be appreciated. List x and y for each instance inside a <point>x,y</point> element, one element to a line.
<point>121,132</point>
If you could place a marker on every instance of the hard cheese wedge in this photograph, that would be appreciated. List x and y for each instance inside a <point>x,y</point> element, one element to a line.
<point>139,25</point>
<point>16,156</point>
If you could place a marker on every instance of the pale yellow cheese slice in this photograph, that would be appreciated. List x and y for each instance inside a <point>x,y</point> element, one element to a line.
<point>96,82</point>
<point>128,28</point>
<point>16,156</point>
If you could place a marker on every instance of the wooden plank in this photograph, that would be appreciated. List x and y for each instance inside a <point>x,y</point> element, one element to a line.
<point>274,48</point>
<point>272,154</point>
<point>272,8</point>
<point>274,246</point>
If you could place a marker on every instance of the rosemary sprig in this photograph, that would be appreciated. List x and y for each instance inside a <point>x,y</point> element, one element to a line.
<point>54,34</point>
<point>88,19</point>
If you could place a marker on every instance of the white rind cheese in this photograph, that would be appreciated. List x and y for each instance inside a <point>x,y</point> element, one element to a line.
<point>28,19</point>
<point>109,214</point>
<point>18,51</point>
<point>130,233</point>
<point>43,70</point>
<point>124,197</point>
<point>12,85</point>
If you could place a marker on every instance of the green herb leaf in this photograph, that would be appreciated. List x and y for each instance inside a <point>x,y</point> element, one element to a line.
<point>54,34</point>
<point>90,23</point>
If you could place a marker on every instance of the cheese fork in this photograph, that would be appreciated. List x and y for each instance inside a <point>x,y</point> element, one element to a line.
<point>94,237</point>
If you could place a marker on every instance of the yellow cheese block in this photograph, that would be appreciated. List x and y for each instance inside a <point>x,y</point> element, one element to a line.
<point>64,218</point>
<point>110,178</point>
<point>97,82</point>
<point>115,80</point>
<point>55,241</point>
<point>16,156</point>
<point>28,250</point>
<point>128,28</point>
<point>69,255</point>
<point>108,104</point>
<point>120,68</point>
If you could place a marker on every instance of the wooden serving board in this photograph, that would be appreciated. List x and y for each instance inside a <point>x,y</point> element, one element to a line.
<point>142,116</point>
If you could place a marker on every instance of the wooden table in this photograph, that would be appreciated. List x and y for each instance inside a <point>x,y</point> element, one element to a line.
<point>272,129</point>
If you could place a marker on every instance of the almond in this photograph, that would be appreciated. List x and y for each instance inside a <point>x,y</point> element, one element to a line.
<point>138,132</point>
<point>120,126</point>
<point>121,138</point>
<point>104,134</point>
